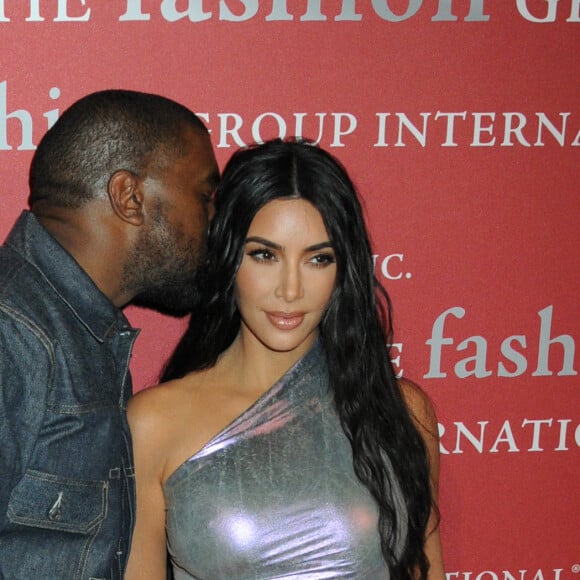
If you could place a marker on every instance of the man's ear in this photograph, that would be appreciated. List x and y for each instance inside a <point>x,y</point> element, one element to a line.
<point>126,196</point>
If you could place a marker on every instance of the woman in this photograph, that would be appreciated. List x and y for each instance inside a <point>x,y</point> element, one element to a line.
<point>283,445</point>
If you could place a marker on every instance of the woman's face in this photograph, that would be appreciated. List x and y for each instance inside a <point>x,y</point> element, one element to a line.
<point>286,277</point>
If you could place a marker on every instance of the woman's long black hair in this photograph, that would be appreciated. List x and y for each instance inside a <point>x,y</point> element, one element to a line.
<point>354,331</point>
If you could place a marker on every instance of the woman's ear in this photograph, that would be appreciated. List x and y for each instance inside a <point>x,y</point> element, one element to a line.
<point>126,196</point>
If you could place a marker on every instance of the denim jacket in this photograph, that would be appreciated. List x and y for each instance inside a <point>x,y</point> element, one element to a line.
<point>66,468</point>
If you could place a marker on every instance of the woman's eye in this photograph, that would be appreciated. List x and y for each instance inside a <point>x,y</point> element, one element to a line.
<point>323,259</point>
<point>262,255</point>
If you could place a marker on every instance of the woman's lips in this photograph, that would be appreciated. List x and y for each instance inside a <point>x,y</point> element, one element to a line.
<point>285,320</point>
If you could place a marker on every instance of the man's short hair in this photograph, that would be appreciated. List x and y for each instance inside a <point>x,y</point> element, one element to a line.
<point>102,133</point>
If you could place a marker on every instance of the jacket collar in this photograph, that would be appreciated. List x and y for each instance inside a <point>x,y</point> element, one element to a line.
<point>75,288</point>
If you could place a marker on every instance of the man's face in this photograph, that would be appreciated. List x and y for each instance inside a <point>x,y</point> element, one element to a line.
<point>172,244</point>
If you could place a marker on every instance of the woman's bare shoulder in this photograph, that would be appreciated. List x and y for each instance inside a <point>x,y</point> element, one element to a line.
<point>420,405</point>
<point>151,399</point>
<point>156,407</point>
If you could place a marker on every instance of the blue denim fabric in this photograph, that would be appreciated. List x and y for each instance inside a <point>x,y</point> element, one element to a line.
<point>66,466</point>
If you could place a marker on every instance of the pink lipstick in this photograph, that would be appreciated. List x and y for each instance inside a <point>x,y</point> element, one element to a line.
<point>285,320</point>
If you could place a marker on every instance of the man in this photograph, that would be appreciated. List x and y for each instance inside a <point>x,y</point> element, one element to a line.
<point>120,197</point>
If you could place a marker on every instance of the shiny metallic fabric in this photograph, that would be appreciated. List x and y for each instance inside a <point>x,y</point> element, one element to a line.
<point>274,495</point>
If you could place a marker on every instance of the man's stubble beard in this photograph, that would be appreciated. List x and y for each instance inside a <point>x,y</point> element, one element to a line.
<point>162,269</point>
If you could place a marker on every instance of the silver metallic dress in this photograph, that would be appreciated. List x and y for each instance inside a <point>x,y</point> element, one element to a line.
<point>274,494</point>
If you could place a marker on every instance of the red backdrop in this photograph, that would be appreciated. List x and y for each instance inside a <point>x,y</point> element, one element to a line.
<point>460,123</point>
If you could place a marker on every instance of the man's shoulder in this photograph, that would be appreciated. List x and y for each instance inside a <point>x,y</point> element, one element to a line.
<point>18,278</point>
<point>24,296</point>
<point>24,269</point>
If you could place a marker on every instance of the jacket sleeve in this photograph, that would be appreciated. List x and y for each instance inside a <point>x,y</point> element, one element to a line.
<point>26,377</point>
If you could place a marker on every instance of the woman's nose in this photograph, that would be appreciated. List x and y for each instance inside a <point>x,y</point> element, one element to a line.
<point>290,285</point>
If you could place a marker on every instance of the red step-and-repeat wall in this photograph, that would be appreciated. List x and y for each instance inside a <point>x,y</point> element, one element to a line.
<point>459,121</point>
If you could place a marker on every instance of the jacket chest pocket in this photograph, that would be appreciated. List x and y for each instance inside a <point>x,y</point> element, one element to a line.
<point>51,502</point>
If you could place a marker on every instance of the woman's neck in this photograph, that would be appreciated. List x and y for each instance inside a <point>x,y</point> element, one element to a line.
<point>254,366</point>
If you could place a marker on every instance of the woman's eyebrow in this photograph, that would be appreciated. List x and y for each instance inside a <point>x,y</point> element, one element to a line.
<point>264,242</point>
<point>320,246</point>
<point>275,246</point>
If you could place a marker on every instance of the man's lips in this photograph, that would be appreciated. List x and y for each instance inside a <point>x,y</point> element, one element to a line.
<point>285,320</point>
